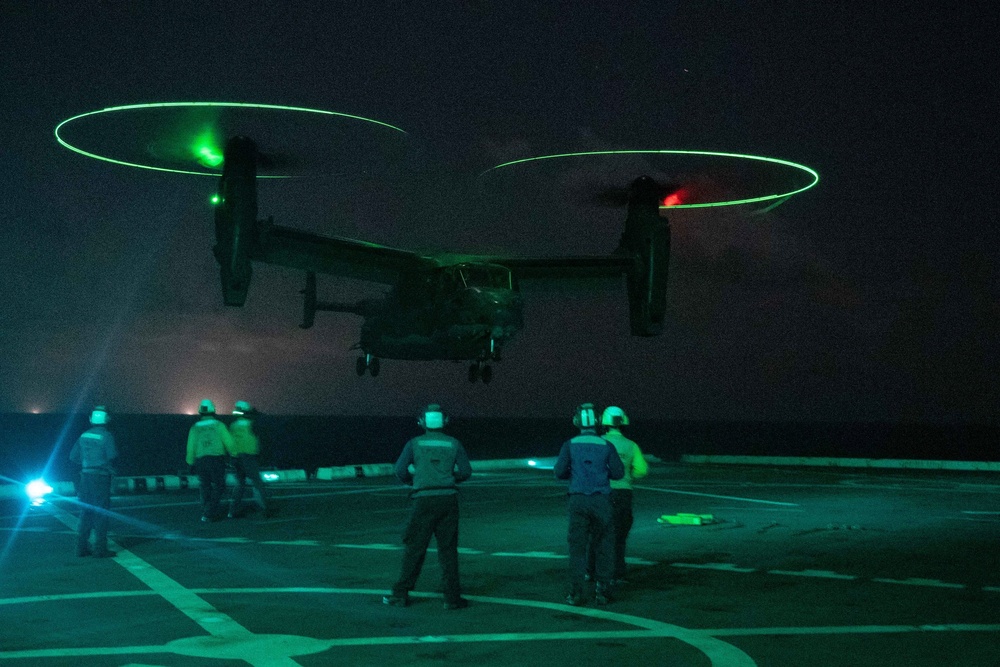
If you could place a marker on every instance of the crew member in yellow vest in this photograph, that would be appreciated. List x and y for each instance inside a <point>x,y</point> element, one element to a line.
<point>246,460</point>
<point>208,444</point>
<point>613,419</point>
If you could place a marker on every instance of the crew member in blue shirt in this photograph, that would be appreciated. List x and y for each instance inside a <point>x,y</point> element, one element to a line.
<point>589,462</point>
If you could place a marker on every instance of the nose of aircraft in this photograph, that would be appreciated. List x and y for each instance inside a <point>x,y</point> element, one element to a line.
<point>505,307</point>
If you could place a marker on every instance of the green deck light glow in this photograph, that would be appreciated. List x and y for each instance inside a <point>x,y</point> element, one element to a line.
<point>205,148</point>
<point>779,196</point>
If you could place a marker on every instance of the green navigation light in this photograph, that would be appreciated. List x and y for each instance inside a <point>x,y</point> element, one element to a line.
<point>780,196</point>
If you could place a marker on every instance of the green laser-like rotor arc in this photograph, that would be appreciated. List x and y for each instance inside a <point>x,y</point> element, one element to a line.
<point>164,105</point>
<point>733,202</point>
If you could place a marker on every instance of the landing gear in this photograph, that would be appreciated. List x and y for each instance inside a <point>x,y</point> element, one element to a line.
<point>367,363</point>
<point>480,370</point>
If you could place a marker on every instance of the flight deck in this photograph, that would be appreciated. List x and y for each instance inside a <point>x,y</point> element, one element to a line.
<point>789,567</point>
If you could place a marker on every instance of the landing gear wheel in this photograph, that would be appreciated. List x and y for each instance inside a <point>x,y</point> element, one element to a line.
<point>474,372</point>
<point>374,366</point>
<point>360,366</point>
<point>487,374</point>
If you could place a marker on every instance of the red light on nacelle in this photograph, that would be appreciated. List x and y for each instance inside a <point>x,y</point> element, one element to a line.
<point>673,199</point>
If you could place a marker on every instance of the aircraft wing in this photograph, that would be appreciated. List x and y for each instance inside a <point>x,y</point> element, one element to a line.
<point>557,269</point>
<point>350,258</point>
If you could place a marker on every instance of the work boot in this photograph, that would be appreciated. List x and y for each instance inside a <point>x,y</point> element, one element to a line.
<point>602,594</point>
<point>460,603</point>
<point>396,600</point>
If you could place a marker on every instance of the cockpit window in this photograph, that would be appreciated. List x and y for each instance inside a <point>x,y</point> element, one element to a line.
<point>485,276</point>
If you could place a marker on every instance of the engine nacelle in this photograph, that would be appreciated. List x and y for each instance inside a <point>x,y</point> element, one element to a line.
<point>647,241</point>
<point>236,219</point>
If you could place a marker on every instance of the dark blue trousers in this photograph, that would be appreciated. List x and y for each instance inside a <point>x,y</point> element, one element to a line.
<point>94,495</point>
<point>212,482</point>
<point>247,467</point>
<point>437,516</point>
<point>590,528</point>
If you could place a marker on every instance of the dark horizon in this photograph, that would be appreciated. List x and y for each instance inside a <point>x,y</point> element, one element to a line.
<point>155,444</point>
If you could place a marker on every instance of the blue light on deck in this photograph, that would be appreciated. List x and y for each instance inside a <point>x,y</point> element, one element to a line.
<point>37,489</point>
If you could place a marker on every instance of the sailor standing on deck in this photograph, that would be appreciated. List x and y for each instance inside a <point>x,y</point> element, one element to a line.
<point>246,453</point>
<point>589,462</point>
<point>439,463</point>
<point>94,451</point>
<point>613,419</point>
<point>207,446</point>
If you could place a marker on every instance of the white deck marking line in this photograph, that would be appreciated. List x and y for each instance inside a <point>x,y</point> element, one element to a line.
<point>725,567</point>
<point>214,622</point>
<point>850,630</point>
<point>60,597</point>
<point>974,512</point>
<point>822,574</point>
<point>529,554</point>
<point>827,574</point>
<point>712,495</point>
<point>383,547</point>
<point>916,581</point>
<point>719,653</point>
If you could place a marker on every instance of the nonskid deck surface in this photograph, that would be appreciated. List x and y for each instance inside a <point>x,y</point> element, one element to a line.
<point>794,568</point>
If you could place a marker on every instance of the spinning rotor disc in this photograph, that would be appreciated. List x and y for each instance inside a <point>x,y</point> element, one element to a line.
<point>188,137</point>
<point>703,178</point>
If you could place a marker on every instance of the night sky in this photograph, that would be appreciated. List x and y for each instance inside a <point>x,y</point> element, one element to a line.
<point>873,296</point>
